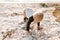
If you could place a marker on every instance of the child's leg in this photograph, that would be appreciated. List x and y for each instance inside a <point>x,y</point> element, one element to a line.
<point>29,22</point>
<point>38,25</point>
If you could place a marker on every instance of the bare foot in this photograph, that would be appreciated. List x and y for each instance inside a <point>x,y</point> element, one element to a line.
<point>39,28</point>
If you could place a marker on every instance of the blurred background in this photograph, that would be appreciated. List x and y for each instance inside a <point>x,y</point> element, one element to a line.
<point>11,22</point>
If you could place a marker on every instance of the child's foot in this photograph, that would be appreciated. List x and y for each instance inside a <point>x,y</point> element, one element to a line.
<point>39,28</point>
